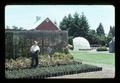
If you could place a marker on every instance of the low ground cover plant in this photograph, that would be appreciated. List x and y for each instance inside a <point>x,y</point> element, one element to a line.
<point>44,72</point>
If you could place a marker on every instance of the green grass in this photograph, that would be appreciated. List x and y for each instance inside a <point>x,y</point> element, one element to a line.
<point>94,57</point>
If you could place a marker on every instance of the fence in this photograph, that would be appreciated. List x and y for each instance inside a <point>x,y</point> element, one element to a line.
<point>18,43</point>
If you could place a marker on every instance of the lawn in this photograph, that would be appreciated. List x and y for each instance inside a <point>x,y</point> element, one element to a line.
<point>94,57</point>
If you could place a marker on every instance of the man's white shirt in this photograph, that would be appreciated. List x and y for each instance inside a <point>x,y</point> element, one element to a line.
<point>34,48</point>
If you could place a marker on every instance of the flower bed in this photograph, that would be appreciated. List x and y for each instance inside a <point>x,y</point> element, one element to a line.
<point>44,60</point>
<point>50,71</point>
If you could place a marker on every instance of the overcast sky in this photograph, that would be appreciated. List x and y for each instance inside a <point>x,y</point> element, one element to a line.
<point>25,15</point>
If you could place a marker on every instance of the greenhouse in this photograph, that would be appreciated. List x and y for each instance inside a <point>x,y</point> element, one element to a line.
<point>81,43</point>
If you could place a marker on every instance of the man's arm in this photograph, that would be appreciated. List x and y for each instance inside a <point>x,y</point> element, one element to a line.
<point>38,48</point>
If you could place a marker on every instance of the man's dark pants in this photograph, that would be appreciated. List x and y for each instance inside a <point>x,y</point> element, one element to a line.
<point>34,59</point>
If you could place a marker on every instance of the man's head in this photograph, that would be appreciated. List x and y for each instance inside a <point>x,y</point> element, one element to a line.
<point>35,42</point>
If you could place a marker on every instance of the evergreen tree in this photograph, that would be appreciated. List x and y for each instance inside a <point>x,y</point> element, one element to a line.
<point>70,28</point>
<point>84,27</point>
<point>76,25</point>
<point>64,24</point>
<point>101,38</point>
<point>100,30</point>
<point>92,37</point>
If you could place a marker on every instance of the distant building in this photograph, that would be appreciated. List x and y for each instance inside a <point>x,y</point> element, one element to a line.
<point>47,24</point>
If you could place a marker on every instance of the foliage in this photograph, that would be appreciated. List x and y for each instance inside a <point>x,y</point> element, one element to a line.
<point>15,28</point>
<point>102,49</point>
<point>20,62</point>
<point>96,39</point>
<point>62,57</point>
<point>76,25</point>
<point>101,39</point>
<point>100,30</point>
<point>18,43</point>
<point>44,60</point>
<point>49,71</point>
<point>65,50</point>
<point>92,37</point>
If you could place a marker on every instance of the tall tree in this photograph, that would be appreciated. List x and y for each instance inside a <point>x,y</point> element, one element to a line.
<point>70,26</point>
<point>64,24</point>
<point>92,36</point>
<point>76,25</point>
<point>84,27</point>
<point>100,30</point>
<point>101,35</point>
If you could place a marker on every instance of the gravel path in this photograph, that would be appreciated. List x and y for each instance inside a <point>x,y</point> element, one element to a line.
<point>108,71</point>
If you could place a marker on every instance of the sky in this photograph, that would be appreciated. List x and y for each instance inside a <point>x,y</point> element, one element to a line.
<point>25,15</point>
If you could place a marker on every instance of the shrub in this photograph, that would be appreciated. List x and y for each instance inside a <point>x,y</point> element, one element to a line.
<point>44,60</point>
<point>20,62</point>
<point>70,56</point>
<point>62,56</point>
<point>102,48</point>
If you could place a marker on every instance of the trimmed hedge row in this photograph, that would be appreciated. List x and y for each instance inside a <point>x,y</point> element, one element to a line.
<point>18,43</point>
<point>102,49</point>
<point>44,72</point>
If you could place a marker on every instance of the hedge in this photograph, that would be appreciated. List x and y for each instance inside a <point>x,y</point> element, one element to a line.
<point>18,43</point>
<point>102,49</point>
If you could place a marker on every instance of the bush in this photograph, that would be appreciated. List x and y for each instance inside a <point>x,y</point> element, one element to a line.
<point>62,56</point>
<point>20,62</point>
<point>102,48</point>
<point>44,60</point>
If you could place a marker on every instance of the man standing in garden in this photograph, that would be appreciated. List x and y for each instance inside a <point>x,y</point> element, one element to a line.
<point>34,50</point>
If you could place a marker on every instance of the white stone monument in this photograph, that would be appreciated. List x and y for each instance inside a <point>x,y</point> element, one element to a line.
<point>80,43</point>
<point>112,45</point>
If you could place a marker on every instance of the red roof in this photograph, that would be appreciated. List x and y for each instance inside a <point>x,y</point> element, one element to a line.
<point>47,24</point>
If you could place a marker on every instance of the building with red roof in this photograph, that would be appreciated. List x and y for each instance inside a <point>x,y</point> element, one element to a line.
<point>47,24</point>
